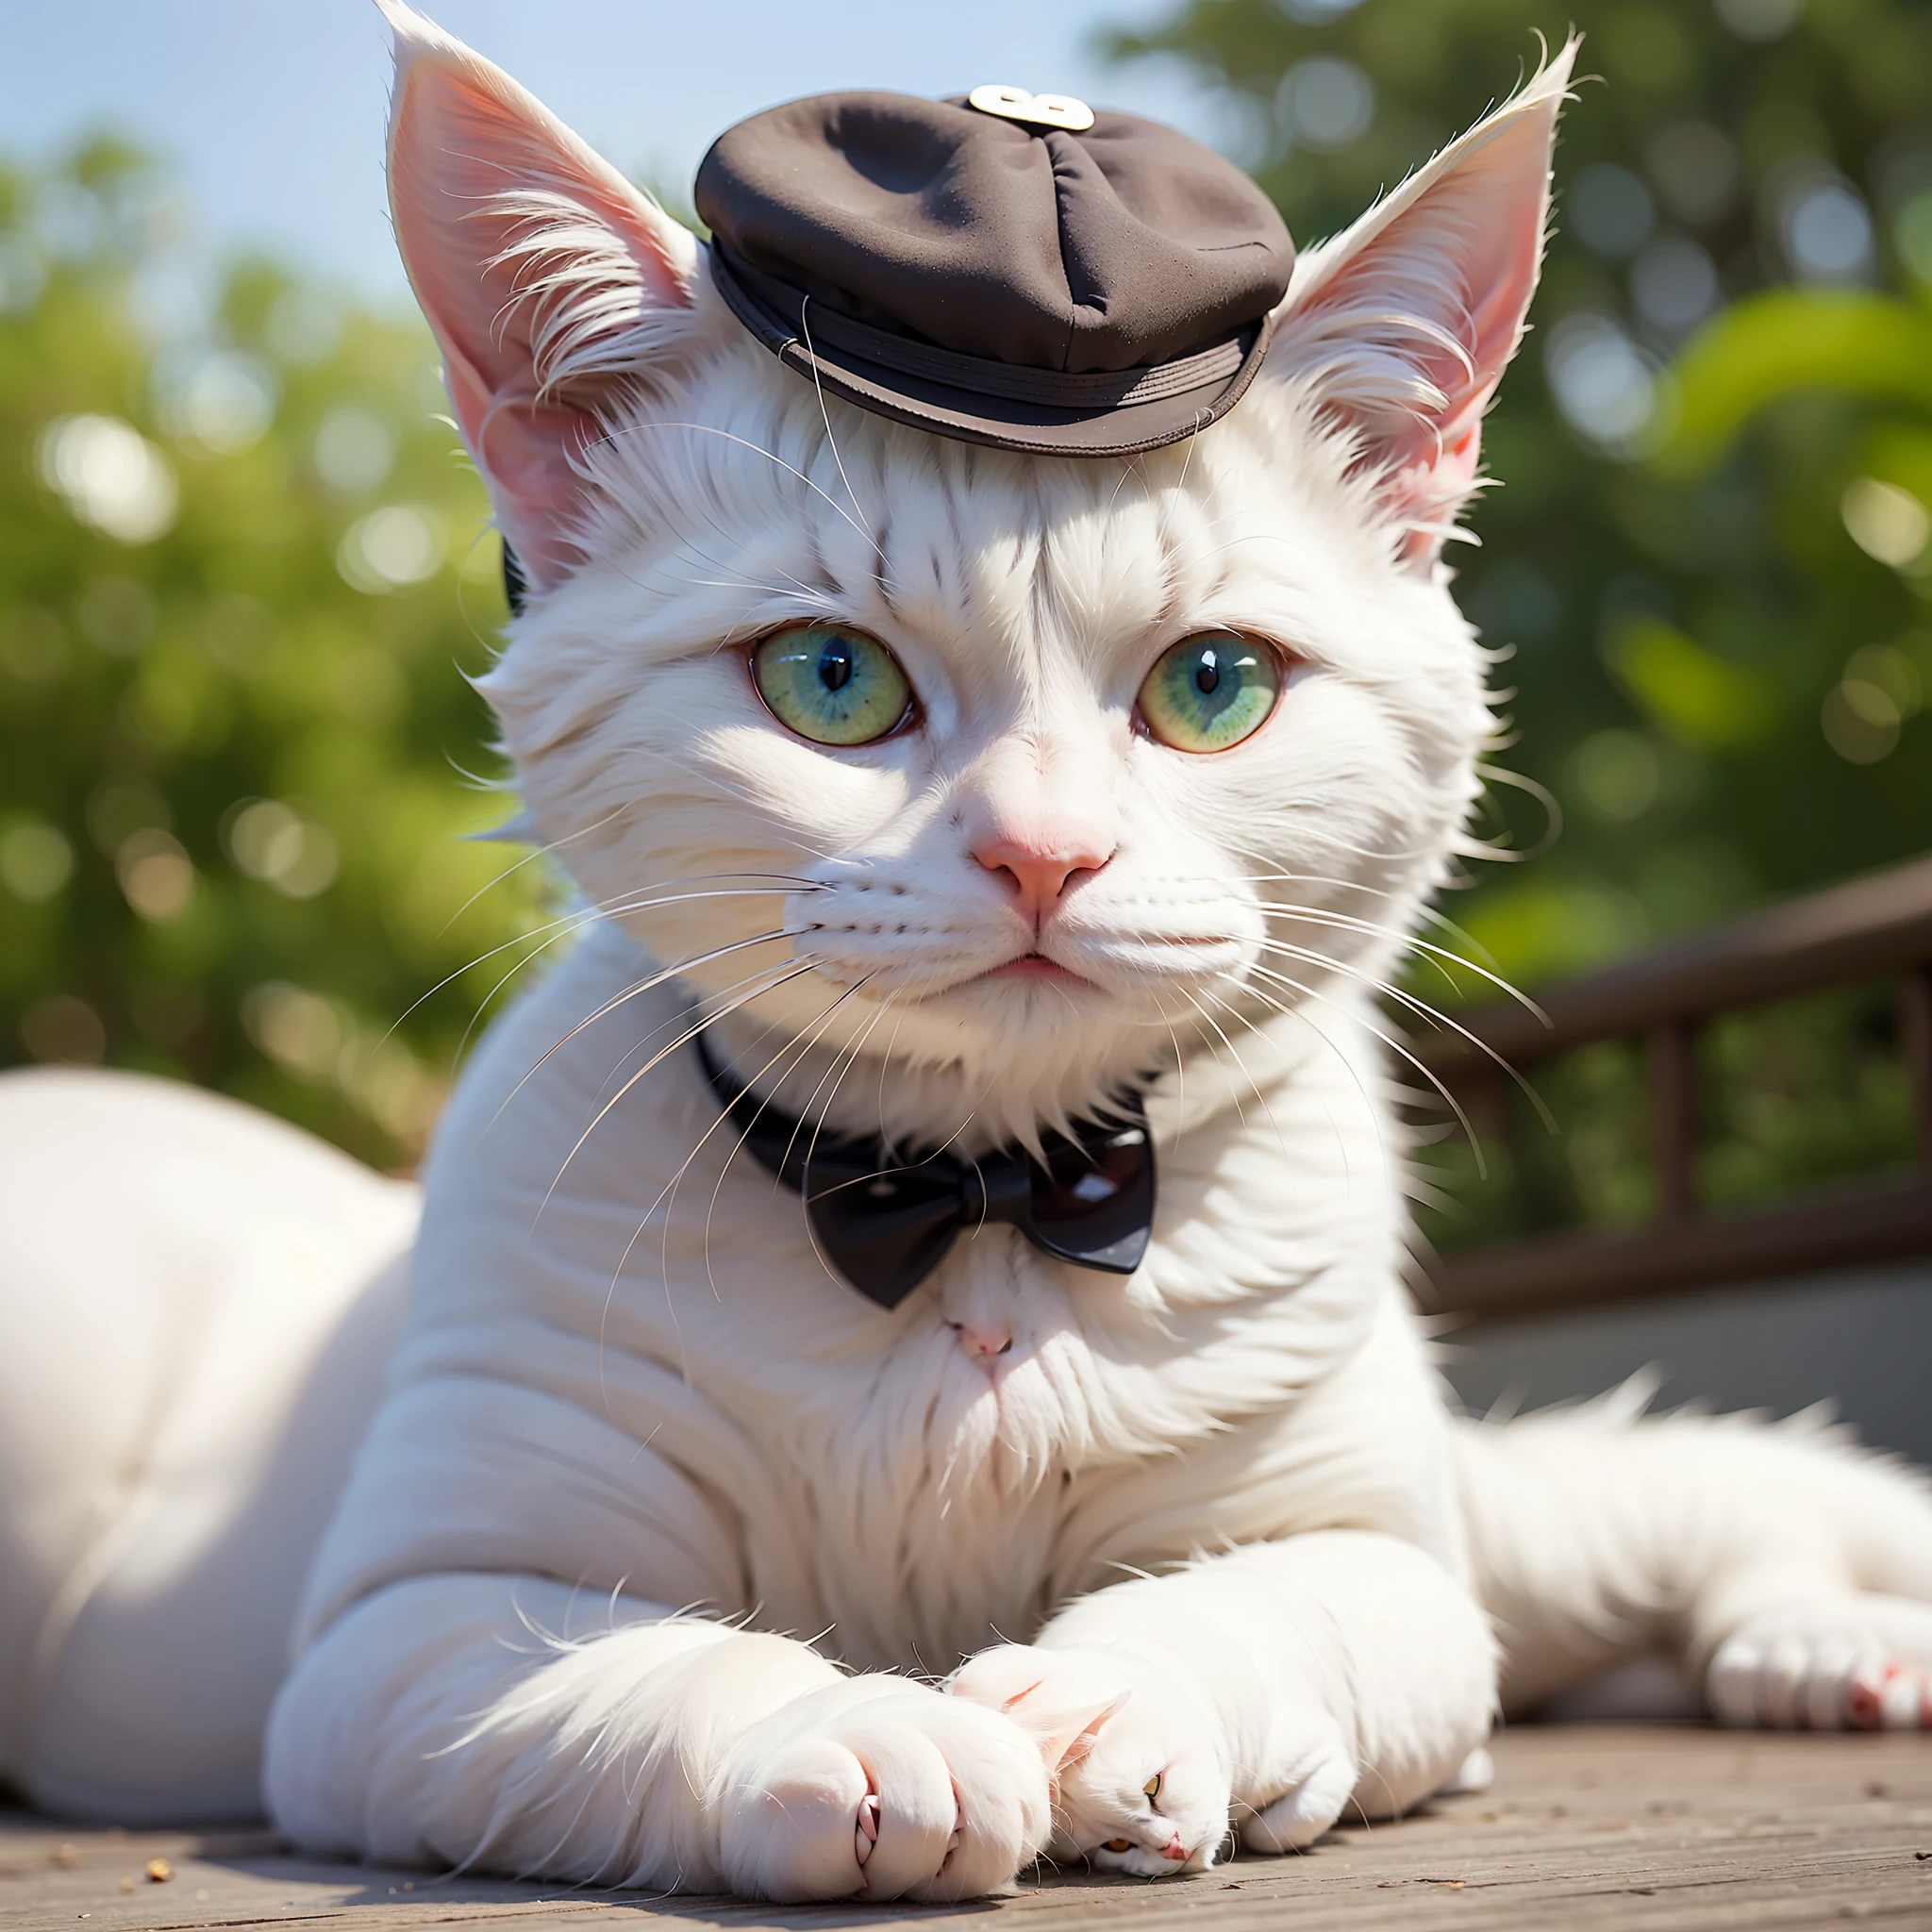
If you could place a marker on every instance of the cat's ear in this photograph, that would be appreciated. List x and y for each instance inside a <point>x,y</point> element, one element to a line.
<point>1060,1714</point>
<point>551,283</point>
<point>1066,1733</point>
<point>1404,324</point>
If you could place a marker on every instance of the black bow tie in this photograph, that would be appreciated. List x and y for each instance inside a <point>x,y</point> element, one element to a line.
<point>886,1227</point>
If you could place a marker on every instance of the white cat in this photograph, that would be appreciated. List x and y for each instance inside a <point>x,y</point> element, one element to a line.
<point>663,1531</point>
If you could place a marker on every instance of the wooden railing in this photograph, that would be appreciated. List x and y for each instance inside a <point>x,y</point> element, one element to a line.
<point>1874,929</point>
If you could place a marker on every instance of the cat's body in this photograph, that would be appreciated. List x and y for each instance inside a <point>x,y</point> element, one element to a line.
<point>630,1387</point>
<point>853,1471</point>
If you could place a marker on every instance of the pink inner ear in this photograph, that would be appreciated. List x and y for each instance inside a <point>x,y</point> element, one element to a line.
<point>525,451</point>
<point>528,253</point>
<point>1066,1733</point>
<point>1490,215</point>
<point>1429,293</point>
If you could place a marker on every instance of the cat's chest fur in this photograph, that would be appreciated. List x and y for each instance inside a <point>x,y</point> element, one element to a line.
<point>628,1360</point>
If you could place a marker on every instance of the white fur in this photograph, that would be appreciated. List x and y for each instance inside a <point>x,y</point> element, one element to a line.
<point>198,1302</point>
<point>662,1532</point>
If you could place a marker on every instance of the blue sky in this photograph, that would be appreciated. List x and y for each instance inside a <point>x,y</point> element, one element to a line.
<point>271,111</point>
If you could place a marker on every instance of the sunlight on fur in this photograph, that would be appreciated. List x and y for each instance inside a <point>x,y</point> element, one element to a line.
<point>664,1543</point>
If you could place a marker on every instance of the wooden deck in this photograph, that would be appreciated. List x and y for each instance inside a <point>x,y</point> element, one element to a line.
<point>1676,1829</point>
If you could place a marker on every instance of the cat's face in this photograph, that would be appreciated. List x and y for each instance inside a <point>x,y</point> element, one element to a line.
<point>986,838</point>
<point>1046,869</point>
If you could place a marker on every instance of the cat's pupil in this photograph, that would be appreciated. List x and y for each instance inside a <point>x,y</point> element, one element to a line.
<point>835,665</point>
<point>1208,674</point>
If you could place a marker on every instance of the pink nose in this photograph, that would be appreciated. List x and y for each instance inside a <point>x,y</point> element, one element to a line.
<point>1174,1848</point>
<point>982,1342</point>
<point>1039,875</point>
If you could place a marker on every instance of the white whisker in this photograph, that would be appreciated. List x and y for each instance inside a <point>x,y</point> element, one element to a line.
<point>1281,1138</point>
<point>1394,1046</point>
<point>635,990</point>
<point>529,858</point>
<point>579,916</point>
<point>656,1059</point>
<point>1438,955</point>
<point>826,417</point>
<point>1422,1009</point>
<point>756,449</point>
<point>667,1194</point>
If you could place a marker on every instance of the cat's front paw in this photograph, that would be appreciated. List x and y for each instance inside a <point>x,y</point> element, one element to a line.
<point>878,1789</point>
<point>1141,1779</point>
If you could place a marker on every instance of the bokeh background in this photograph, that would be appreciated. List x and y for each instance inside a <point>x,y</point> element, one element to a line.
<point>244,573</point>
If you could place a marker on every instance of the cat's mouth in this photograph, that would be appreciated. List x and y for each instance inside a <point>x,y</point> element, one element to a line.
<point>1033,966</point>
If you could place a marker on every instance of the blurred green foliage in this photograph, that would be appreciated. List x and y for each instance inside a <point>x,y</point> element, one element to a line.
<point>242,571</point>
<point>1708,554</point>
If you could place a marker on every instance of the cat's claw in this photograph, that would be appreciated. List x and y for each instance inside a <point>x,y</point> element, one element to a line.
<point>1890,1697</point>
<point>877,1789</point>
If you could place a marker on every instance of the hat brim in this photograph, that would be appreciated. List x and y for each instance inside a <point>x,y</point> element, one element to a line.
<point>1123,416</point>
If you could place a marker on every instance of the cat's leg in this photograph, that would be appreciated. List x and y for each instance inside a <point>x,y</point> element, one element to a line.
<point>197,1303</point>
<point>1789,1574</point>
<point>1275,1686</point>
<point>456,1720</point>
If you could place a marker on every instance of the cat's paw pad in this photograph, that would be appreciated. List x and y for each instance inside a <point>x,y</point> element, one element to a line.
<point>1859,1662</point>
<point>1141,1784</point>
<point>879,1789</point>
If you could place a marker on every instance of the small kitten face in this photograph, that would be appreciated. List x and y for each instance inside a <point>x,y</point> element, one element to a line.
<point>1026,604</point>
<point>1121,1817</point>
<point>1140,1782</point>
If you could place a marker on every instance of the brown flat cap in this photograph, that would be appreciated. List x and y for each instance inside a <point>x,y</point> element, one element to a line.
<point>1026,273</point>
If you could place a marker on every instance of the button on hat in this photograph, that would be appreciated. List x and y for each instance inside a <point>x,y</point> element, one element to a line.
<point>1012,269</point>
<point>1037,110</point>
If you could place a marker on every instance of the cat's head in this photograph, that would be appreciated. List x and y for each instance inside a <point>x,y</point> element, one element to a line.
<point>1026,773</point>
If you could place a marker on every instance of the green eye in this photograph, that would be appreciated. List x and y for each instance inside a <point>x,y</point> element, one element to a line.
<point>1210,692</point>
<point>832,686</point>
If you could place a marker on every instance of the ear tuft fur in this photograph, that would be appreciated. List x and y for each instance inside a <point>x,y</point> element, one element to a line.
<point>554,287</point>
<point>1062,1716</point>
<point>1404,324</point>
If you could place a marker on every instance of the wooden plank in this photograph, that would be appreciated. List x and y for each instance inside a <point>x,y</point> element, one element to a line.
<point>1915,1017</point>
<point>1676,1118</point>
<point>1667,1828</point>
<point>1872,929</point>
<point>1851,1228</point>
